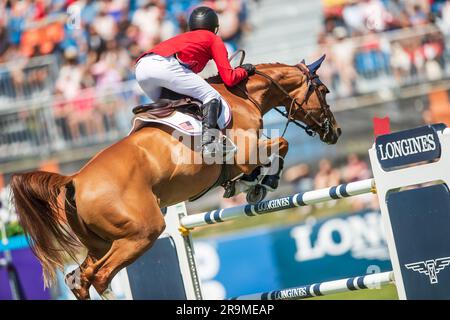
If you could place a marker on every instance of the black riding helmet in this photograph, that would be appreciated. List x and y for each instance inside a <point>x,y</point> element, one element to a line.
<point>204,18</point>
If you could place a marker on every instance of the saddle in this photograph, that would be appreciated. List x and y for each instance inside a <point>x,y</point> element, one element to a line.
<point>168,104</point>
<point>171,102</point>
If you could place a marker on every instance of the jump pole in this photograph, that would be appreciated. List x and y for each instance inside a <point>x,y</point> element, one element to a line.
<point>268,206</point>
<point>370,281</point>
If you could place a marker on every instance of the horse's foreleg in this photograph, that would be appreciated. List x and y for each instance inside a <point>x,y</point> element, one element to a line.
<point>268,154</point>
<point>270,158</point>
<point>272,172</point>
<point>254,152</point>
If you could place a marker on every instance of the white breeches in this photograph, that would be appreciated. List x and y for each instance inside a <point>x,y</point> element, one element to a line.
<point>154,72</point>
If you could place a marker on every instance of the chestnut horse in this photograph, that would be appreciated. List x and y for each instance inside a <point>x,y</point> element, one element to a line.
<point>112,205</point>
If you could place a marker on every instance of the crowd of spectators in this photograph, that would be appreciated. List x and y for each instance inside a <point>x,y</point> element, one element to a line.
<point>95,44</point>
<point>370,38</point>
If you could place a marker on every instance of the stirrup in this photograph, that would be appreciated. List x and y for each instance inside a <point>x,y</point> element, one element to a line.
<point>229,148</point>
<point>211,149</point>
<point>223,148</point>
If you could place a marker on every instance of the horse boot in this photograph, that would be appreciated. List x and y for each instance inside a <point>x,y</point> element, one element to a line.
<point>271,181</point>
<point>210,141</point>
<point>251,178</point>
<point>242,184</point>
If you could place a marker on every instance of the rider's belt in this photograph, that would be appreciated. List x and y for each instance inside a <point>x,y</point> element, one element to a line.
<point>181,62</point>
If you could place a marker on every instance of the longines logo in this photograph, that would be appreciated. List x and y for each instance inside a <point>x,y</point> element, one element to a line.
<point>431,268</point>
<point>273,204</point>
<point>407,147</point>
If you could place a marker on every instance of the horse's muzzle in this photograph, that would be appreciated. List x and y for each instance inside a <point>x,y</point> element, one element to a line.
<point>332,136</point>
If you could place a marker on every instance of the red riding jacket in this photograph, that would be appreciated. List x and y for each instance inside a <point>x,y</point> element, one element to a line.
<point>195,49</point>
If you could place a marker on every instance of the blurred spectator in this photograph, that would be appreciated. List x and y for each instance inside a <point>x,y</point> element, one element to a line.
<point>4,44</point>
<point>343,55</point>
<point>355,169</point>
<point>111,67</point>
<point>67,89</point>
<point>330,74</point>
<point>353,15</point>
<point>228,12</point>
<point>300,177</point>
<point>104,23</point>
<point>69,79</point>
<point>375,15</point>
<point>358,27</point>
<point>147,19</point>
<point>84,119</point>
<point>418,16</point>
<point>326,175</point>
<point>400,62</point>
<point>439,107</point>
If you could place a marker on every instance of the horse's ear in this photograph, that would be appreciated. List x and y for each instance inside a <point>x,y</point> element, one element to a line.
<point>313,67</point>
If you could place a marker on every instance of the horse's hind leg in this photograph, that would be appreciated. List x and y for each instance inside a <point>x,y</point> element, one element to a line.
<point>142,231</point>
<point>79,280</point>
<point>123,252</point>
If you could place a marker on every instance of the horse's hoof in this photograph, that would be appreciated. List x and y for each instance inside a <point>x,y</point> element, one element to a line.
<point>81,294</point>
<point>108,294</point>
<point>230,190</point>
<point>271,182</point>
<point>256,194</point>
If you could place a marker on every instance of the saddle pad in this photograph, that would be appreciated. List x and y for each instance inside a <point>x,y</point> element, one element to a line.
<point>184,123</point>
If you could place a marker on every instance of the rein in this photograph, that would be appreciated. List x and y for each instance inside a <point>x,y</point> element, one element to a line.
<point>325,125</point>
<point>289,113</point>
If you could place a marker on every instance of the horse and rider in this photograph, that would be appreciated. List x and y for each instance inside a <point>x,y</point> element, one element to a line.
<point>112,206</point>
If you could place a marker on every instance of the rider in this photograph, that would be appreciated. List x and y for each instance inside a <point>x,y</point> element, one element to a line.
<point>174,64</point>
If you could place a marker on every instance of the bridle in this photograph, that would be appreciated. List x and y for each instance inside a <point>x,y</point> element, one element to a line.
<point>324,122</point>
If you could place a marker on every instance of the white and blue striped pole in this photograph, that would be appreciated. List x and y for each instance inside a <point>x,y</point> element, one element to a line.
<point>267,206</point>
<point>370,281</point>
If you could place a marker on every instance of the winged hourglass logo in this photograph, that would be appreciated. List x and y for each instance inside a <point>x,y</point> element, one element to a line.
<point>431,268</point>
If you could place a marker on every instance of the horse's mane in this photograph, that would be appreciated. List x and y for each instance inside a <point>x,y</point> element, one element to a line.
<point>217,79</point>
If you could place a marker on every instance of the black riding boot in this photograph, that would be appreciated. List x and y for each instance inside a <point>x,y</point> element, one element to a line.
<point>210,141</point>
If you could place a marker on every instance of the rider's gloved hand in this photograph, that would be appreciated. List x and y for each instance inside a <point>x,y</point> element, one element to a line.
<point>249,68</point>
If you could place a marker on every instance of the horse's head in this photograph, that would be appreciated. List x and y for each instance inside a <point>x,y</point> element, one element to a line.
<point>310,105</point>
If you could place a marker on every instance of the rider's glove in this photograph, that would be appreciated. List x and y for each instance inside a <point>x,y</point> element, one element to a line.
<point>249,68</point>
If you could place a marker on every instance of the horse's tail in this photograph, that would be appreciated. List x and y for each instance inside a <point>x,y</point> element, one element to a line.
<point>35,197</point>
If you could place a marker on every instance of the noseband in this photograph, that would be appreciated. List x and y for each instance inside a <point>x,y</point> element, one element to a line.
<point>324,121</point>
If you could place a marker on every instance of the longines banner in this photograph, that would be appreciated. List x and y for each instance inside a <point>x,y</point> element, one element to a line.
<point>269,259</point>
<point>409,146</point>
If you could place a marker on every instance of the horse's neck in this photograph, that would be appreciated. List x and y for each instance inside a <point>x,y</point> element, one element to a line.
<point>268,95</point>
